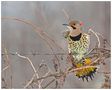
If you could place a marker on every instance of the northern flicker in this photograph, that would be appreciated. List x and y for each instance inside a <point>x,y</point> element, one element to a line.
<point>78,41</point>
<point>78,45</point>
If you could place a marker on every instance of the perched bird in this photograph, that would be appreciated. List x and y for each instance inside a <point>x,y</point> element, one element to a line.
<point>78,41</point>
<point>78,45</point>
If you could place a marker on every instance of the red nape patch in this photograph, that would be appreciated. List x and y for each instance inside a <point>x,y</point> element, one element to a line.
<point>81,23</point>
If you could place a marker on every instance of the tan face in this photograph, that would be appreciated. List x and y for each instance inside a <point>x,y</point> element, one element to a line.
<point>75,28</point>
<point>74,25</point>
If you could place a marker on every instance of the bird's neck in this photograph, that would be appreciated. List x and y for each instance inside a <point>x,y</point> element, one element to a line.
<point>76,38</point>
<point>74,33</point>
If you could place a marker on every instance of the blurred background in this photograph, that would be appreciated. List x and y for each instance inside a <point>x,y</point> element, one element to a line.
<point>49,16</point>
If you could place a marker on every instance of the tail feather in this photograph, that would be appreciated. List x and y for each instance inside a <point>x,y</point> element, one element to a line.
<point>85,72</point>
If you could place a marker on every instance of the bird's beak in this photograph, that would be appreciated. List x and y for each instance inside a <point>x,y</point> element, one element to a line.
<point>65,24</point>
<point>69,27</point>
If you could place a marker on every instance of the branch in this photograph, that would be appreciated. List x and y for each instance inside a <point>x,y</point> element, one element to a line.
<point>40,66</point>
<point>66,15</point>
<point>8,63</point>
<point>49,83</point>
<point>31,80</point>
<point>41,33</point>
<point>5,68</point>
<point>36,74</point>
<point>104,39</point>
<point>90,30</point>
<point>59,74</point>
<point>37,29</point>
<point>83,67</point>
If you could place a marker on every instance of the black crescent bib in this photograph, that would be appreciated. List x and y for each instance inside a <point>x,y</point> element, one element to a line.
<point>76,38</point>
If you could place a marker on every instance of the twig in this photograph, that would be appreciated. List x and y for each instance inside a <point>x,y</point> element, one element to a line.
<point>44,76</point>
<point>73,70</point>
<point>34,54</point>
<point>49,83</point>
<point>5,68</point>
<point>5,83</point>
<point>37,75</point>
<point>8,65</point>
<point>104,72</point>
<point>66,15</point>
<point>88,52</point>
<point>40,32</point>
<point>58,74</point>
<point>104,38</point>
<point>31,80</point>
<point>96,37</point>
<point>37,29</point>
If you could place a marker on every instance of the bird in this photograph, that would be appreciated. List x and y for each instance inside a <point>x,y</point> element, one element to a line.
<point>78,45</point>
<point>78,41</point>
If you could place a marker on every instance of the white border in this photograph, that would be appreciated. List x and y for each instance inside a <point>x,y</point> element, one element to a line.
<point>55,0</point>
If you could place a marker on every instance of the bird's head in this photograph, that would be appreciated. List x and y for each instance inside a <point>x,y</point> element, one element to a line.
<point>74,27</point>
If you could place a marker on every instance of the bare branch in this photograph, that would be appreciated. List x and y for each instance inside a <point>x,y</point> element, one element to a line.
<point>38,30</point>
<point>90,30</point>
<point>8,63</point>
<point>31,80</point>
<point>36,74</point>
<point>66,14</point>
<point>5,68</point>
<point>41,33</point>
<point>83,67</point>
<point>104,39</point>
<point>49,83</point>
